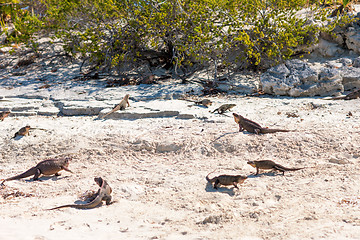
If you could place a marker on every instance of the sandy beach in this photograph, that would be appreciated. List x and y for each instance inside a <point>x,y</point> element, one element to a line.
<point>157,167</point>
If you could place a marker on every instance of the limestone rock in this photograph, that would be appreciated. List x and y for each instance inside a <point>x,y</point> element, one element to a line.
<point>353,40</point>
<point>356,62</point>
<point>328,49</point>
<point>295,78</point>
<point>351,78</point>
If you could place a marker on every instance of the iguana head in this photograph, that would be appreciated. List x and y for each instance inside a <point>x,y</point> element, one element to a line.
<point>241,179</point>
<point>251,163</point>
<point>236,118</point>
<point>67,160</point>
<point>99,181</point>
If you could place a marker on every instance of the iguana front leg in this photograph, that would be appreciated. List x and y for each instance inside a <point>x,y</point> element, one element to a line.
<point>107,199</point>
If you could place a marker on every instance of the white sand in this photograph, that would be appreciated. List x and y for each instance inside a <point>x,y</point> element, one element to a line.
<point>157,167</point>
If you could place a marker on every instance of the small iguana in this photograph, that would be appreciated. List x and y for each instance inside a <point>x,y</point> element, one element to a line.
<point>120,106</point>
<point>268,164</point>
<point>204,102</point>
<point>253,127</point>
<point>223,108</point>
<point>353,95</point>
<point>103,194</point>
<point>3,115</point>
<point>226,180</point>
<point>23,131</point>
<point>46,167</point>
<point>26,131</point>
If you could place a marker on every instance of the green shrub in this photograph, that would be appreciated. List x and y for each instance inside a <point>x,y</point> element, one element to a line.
<point>176,33</point>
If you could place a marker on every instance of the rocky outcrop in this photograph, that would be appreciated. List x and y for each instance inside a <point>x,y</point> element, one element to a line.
<point>297,78</point>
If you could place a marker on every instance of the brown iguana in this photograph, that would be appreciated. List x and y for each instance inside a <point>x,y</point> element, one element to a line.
<point>120,106</point>
<point>253,127</point>
<point>46,167</point>
<point>103,194</point>
<point>223,108</point>
<point>353,95</point>
<point>268,164</point>
<point>3,115</point>
<point>23,131</point>
<point>226,180</point>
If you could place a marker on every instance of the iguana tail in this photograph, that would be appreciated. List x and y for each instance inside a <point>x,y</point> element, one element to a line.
<point>208,179</point>
<point>28,173</point>
<point>282,168</point>
<point>89,205</point>
<point>273,130</point>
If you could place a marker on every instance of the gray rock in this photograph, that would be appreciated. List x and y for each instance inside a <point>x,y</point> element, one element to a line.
<point>351,78</point>
<point>78,108</point>
<point>167,147</point>
<point>353,41</point>
<point>356,62</point>
<point>328,49</point>
<point>294,78</point>
<point>185,116</point>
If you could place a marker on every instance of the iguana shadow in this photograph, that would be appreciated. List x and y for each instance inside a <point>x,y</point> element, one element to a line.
<point>223,135</point>
<point>18,137</point>
<point>46,178</point>
<point>210,188</point>
<point>264,174</point>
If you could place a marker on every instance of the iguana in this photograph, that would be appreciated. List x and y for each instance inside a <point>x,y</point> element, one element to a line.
<point>268,164</point>
<point>25,131</point>
<point>120,106</point>
<point>46,167</point>
<point>3,115</point>
<point>253,127</point>
<point>353,95</point>
<point>103,194</point>
<point>204,102</point>
<point>226,180</point>
<point>223,108</point>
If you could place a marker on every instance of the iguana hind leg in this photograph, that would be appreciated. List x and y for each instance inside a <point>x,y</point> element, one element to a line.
<point>217,182</point>
<point>37,174</point>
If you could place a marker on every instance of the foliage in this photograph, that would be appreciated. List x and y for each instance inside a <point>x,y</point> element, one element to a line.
<point>24,20</point>
<point>174,33</point>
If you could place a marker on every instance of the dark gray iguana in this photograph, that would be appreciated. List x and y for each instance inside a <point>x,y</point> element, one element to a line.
<point>268,164</point>
<point>205,102</point>
<point>226,180</point>
<point>103,194</point>
<point>223,108</point>
<point>46,167</point>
